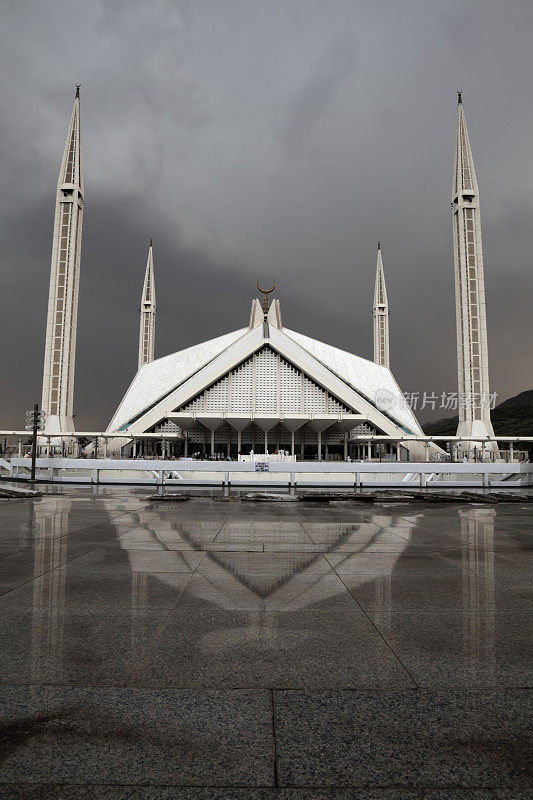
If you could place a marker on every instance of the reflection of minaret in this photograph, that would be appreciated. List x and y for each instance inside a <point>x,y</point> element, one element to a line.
<point>405,528</point>
<point>477,534</point>
<point>148,309</point>
<point>472,352</point>
<point>49,591</point>
<point>381,316</point>
<point>60,349</point>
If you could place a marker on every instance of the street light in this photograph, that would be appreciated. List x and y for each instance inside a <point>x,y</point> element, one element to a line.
<point>34,422</point>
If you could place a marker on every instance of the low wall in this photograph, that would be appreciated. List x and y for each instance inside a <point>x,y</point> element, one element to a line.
<point>301,473</point>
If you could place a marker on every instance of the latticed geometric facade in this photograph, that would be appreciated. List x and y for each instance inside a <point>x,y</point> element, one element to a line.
<point>266,384</point>
<point>263,388</point>
<point>60,348</point>
<point>472,350</point>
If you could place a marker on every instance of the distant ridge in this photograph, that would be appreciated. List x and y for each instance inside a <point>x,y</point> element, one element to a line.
<point>512,417</point>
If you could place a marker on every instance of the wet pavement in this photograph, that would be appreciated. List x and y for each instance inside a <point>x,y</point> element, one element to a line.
<point>205,650</point>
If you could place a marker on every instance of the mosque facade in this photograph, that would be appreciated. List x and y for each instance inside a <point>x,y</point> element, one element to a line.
<point>265,387</point>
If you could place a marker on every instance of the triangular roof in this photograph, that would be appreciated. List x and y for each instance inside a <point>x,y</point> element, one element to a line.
<point>156,379</point>
<point>168,383</point>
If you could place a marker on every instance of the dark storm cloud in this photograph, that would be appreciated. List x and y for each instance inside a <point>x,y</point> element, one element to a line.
<point>318,92</point>
<point>255,140</point>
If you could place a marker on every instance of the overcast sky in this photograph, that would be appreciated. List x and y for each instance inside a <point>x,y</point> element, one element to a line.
<point>264,139</point>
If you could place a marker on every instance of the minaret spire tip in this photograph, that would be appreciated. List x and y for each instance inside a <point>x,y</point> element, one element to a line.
<point>78,89</point>
<point>380,314</point>
<point>459,96</point>
<point>150,241</point>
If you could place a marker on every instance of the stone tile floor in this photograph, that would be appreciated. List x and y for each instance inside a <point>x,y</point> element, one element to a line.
<point>206,650</point>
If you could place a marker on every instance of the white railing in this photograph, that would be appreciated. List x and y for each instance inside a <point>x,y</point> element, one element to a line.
<point>301,473</point>
<point>69,443</point>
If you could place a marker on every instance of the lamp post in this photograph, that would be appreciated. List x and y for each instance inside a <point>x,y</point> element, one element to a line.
<point>34,422</point>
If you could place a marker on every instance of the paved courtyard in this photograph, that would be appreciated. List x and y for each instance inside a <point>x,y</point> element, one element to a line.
<point>208,649</point>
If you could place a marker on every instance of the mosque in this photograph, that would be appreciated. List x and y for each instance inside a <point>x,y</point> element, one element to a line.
<point>263,387</point>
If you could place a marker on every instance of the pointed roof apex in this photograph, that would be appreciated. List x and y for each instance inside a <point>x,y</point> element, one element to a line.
<point>460,96</point>
<point>78,89</point>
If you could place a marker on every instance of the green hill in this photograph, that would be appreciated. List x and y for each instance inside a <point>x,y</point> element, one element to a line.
<point>512,417</point>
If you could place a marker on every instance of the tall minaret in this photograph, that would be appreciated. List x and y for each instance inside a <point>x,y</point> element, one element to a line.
<point>472,352</point>
<point>381,316</point>
<point>60,349</point>
<point>148,309</point>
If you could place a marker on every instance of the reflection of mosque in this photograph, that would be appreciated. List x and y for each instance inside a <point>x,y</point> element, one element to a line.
<point>251,580</point>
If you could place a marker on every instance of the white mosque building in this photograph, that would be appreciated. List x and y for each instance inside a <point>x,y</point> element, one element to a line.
<point>263,387</point>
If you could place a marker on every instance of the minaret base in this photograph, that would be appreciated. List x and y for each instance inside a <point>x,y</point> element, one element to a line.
<point>53,435</point>
<point>473,428</point>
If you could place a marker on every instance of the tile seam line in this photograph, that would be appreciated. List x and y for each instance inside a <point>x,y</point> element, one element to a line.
<point>158,632</point>
<point>274,738</point>
<point>112,687</point>
<point>252,787</point>
<point>47,572</point>
<point>457,543</point>
<point>433,530</point>
<point>389,646</point>
<point>306,532</point>
<point>290,786</point>
<point>217,534</point>
<point>14,553</point>
<point>96,524</point>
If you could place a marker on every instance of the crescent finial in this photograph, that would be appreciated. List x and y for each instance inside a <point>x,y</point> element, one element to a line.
<point>265,293</point>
